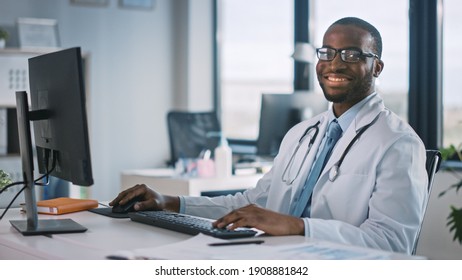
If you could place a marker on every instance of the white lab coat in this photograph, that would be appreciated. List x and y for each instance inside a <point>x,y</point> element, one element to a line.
<point>377,199</point>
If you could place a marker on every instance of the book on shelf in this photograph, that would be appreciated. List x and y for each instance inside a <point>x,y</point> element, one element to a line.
<point>63,205</point>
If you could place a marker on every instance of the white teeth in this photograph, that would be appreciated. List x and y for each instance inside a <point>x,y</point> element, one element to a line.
<point>336,79</point>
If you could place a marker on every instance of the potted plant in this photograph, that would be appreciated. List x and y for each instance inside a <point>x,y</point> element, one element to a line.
<point>453,153</point>
<point>3,37</point>
<point>4,179</point>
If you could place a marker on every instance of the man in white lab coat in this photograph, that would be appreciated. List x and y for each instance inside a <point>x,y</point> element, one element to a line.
<point>371,191</point>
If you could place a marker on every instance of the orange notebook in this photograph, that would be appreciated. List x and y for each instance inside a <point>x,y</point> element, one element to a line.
<point>63,205</point>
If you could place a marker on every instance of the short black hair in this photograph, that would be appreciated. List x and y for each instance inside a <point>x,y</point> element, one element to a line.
<point>366,26</point>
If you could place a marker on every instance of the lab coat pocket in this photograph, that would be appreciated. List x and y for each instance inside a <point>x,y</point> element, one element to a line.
<point>345,199</point>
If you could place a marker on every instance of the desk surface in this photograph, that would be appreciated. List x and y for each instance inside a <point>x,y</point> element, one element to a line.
<point>104,237</point>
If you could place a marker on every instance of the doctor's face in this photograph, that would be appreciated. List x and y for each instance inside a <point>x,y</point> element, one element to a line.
<point>347,83</point>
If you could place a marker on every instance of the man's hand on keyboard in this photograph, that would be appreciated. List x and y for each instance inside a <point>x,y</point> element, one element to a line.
<point>270,222</point>
<point>148,199</point>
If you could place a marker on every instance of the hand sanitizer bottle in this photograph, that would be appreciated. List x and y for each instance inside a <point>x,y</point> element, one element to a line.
<point>223,159</point>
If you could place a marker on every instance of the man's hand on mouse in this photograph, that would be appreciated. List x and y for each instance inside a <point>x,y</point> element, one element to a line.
<point>148,199</point>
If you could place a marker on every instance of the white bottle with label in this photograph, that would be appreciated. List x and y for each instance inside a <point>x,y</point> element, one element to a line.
<point>223,159</point>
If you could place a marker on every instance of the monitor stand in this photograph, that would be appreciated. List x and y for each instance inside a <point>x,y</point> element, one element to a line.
<point>48,227</point>
<point>34,226</point>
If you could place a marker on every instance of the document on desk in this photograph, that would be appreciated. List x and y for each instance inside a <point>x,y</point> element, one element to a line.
<point>198,248</point>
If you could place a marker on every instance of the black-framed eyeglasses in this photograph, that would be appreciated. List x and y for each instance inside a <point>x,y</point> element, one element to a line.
<point>347,55</point>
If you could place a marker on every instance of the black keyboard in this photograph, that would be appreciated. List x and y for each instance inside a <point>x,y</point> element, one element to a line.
<point>187,224</point>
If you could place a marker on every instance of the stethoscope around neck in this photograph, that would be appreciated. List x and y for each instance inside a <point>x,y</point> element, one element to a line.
<point>334,171</point>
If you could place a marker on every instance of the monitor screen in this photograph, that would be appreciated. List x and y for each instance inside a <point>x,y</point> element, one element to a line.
<point>57,86</point>
<point>280,112</point>
<point>58,115</point>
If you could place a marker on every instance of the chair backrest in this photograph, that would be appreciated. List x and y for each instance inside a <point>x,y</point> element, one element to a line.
<point>188,133</point>
<point>432,165</point>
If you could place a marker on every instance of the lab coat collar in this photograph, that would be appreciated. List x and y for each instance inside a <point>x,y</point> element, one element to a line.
<point>366,115</point>
<point>347,118</point>
<point>369,112</point>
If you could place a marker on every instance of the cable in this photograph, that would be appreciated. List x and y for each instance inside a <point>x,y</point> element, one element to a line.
<point>36,181</point>
<point>11,202</point>
<point>53,165</point>
<point>105,205</point>
<point>10,185</point>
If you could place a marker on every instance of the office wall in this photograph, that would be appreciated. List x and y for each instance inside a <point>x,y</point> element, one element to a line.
<point>141,63</point>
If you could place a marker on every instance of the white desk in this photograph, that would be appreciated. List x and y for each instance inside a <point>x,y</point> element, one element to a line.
<point>104,237</point>
<point>162,181</point>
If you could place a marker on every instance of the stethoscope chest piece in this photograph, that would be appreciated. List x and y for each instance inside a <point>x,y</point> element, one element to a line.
<point>333,173</point>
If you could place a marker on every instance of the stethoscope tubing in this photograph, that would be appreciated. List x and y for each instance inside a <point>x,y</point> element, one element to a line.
<point>286,171</point>
<point>334,171</point>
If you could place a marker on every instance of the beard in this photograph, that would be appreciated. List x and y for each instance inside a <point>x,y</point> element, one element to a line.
<point>353,94</point>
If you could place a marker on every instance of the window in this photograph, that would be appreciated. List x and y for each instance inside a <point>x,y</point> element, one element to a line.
<point>256,42</point>
<point>452,67</point>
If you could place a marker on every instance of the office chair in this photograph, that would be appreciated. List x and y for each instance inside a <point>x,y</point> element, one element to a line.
<point>188,133</point>
<point>432,165</point>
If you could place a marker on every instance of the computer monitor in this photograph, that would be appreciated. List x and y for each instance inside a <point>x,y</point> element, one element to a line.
<point>58,113</point>
<point>280,112</point>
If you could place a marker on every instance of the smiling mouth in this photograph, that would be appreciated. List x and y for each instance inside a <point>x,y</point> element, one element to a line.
<point>333,79</point>
<point>336,79</point>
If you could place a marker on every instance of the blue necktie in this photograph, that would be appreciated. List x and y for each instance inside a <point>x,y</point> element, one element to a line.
<point>333,134</point>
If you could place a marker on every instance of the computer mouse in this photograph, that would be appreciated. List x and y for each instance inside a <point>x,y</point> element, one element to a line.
<point>127,207</point>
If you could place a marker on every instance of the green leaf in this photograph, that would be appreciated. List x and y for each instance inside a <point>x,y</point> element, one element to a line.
<point>455,223</point>
<point>451,152</point>
<point>457,186</point>
<point>446,153</point>
<point>4,179</point>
